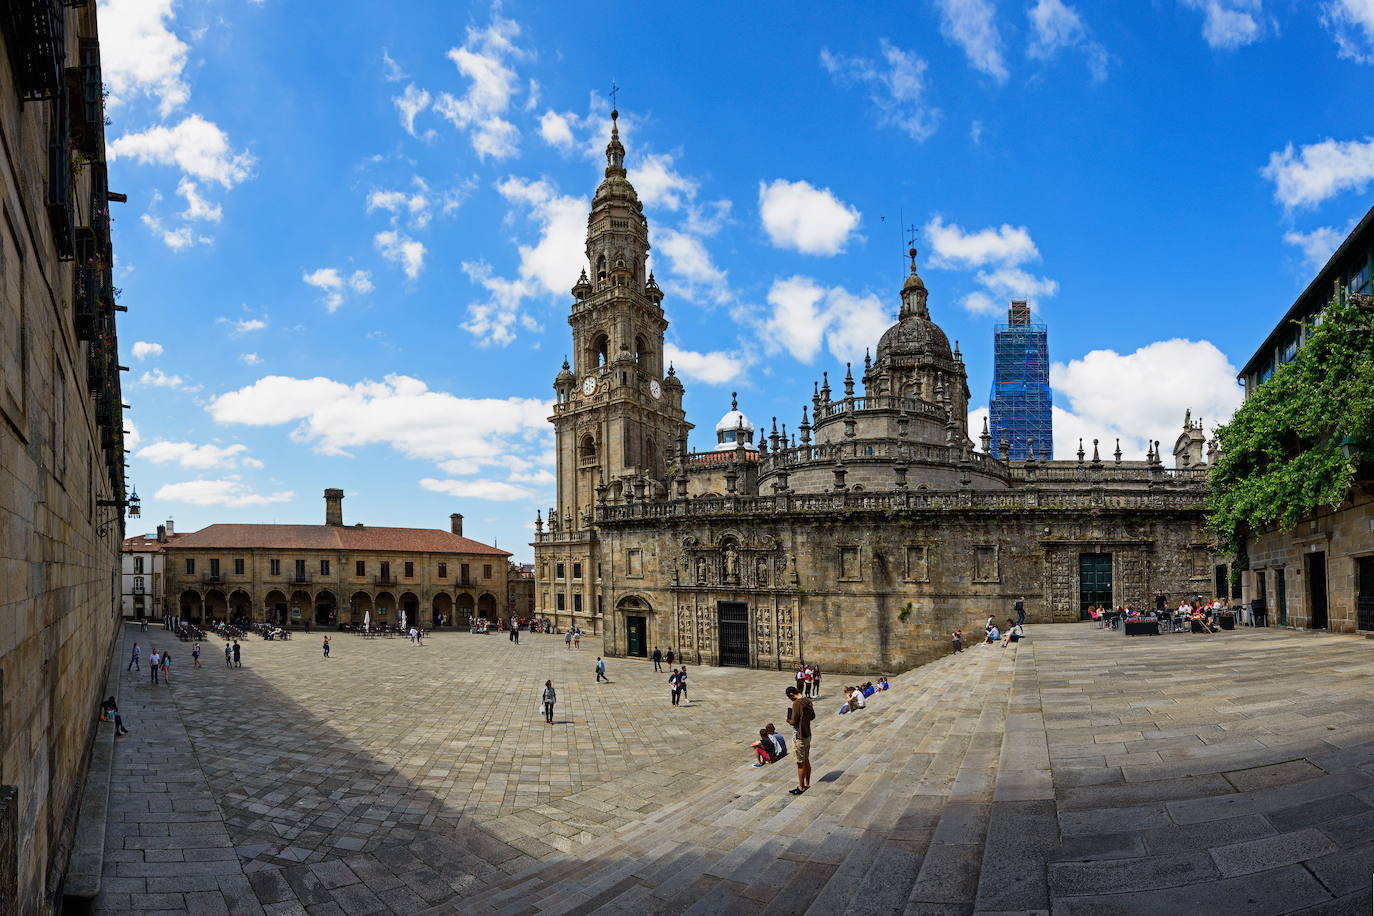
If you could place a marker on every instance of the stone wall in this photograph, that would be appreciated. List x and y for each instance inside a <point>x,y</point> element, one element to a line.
<point>881,594</point>
<point>59,572</point>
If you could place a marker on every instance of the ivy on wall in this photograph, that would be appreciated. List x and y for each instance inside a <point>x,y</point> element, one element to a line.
<point>1283,452</point>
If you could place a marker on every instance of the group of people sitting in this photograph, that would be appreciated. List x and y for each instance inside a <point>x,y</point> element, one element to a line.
<point>770,748</point>
<point>1202,615</point>
<point>856,697</point>
<point>992,634</point>
<point>1108,619</point>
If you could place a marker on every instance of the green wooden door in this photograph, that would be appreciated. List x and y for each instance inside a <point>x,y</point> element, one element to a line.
<point>1094,582</point>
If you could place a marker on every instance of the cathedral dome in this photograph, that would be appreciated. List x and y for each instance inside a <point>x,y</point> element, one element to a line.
<point>914,335</point>
<point>733,428</point>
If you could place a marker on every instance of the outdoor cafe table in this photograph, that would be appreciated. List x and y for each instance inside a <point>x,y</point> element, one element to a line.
<point>1146,627</point>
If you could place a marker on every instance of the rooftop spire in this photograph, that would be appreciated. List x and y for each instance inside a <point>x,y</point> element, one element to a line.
<point>615,151</point>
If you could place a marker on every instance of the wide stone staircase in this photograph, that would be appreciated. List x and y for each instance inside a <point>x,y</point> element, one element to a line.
<point>897,817</point>
<point>1145,776</point>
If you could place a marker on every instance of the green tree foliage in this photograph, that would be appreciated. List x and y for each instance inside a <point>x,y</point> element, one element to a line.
<point>1281,454</point>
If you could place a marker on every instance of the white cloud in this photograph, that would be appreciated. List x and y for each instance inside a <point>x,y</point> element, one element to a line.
<point>156,378</point>
<point>1317,246</point>
<point>806,219</point>
<point>660,185</point>
<point>238,326</point>
<point>143,349</point>
<point>1140,396</point>
<point>228,491</point>
<point>335,285</point>
<point>1056,27</point>
<point>403,250</point>
<point>957,249</point>
<point>416,205</point>
<point>806,315</point>
<point>174,237</point>
<point>1351,23</point>
<point>484,59</point>
<point>896,87</point>
<point>461,435</point>
<point>410,103</point>
<point>197,207</point>
<point>196,146</point>
<point>717,367</point>
<point>687,260</point>
<point>392,71</point>
<point>495,490</point>
<point>190,455</point>
<point>1320,171</point>
<point>998,251</point>
<point>250,359</point>
<point>139,54</point>
<point>972,25</point>
<point>1229,24</point>
<point>556,129</point>
<point>131,434</point>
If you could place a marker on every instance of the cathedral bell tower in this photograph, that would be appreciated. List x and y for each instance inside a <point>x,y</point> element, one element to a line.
<point>618,415</point>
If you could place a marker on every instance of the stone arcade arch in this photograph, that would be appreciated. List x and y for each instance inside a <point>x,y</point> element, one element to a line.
<point>465,610</point>
<point>276,606</point>
<point>411,605</point>
<point>359,605</point>
<point>326,608</point>
<point>385,610</point>
<point>240,605</point>
<point>300,606</point>
<point>443,610</point>
<point>216,605</point>
<point>189,605</point>
<point>486,606</point>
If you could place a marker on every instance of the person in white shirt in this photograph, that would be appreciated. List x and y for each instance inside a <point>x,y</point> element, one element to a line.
<point>993,634</point>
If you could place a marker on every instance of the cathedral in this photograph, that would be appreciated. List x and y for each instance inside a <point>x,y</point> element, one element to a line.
<point>861,540</point>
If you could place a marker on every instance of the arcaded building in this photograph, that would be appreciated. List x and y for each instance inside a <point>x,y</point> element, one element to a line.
<point>859,541</point>
<point>62,487</point>
<point>334,573</point>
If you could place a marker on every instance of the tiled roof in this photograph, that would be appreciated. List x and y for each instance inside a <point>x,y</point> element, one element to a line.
<point>332,537</point>
<point>141,543</point>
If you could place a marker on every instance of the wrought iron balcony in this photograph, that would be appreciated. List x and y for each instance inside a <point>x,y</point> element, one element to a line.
<point>35,42</point>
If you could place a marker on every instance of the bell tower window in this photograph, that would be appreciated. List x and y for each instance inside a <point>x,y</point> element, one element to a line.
<point>600,349</point>
<point>601,269</point>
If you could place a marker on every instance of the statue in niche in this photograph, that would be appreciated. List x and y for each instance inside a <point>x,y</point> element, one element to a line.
<point>731,562</point>
<point>762,574</point>
<point>701,571</point>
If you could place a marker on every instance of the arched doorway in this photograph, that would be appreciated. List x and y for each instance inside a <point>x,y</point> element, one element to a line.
<point>359,606</point>
<point>384,610</point>
<point>240,605</point>
<point>443,610</point>
<point>411,605</point>
<point>216,605</point>
<point>326,610</point>
<point>465,610</point>
<point>275,605</point>
<point>486,607</point>
<point>191,605</point>
<point>300,607</point>
<point>632,625</point>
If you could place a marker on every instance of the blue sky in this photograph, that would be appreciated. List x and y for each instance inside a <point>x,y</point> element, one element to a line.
<point>349,237</point>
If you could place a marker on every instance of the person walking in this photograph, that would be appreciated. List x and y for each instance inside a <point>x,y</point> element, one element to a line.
<point>675,685</point>
<point>601,670</point>
<point>670,657</point>
<point>658,659</point>
<point>195,656</point>
<point>682,684</point>
<point>228,656</point>
<point>1020,608</point>
<point>143,625</point>
<point>326,647</point>
<point>133,660</point>
<point>799,717</point>
<point>549,697</point>
<point>808,677</point>
<point>238,659</point>
<point>154,664</point>
<point>577,638</point>
<point>815,680</point>
<point>167,668</point>
<point>567,638</point>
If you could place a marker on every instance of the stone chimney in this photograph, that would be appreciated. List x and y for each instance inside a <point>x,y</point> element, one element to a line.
<point>170,529</point>
<point>162,534</point>
<point>455,523</point>
<point>333,507</point>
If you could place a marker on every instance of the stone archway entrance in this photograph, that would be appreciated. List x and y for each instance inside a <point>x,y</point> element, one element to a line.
<point>326,608</point>
<point>300,607</point>
<point>240,605</point>
<point>276,606</point>
<point>384,610</point>
<point>486,607</point>
<point>359,606</point>
<point>633,613</point>
<point>191,606</point>
<point>465,609</point>
<point>443,610</point>
<point>216,605</point>
<point>409,603</point>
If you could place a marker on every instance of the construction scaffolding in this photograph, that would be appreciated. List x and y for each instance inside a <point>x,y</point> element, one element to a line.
<point>1021,406</point>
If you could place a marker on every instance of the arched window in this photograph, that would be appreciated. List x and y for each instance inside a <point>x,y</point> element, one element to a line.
<point>649,456</point>
<point>600,350</point>
<point>601,268</point>
<point>639,350</point>
<point>587,450</point>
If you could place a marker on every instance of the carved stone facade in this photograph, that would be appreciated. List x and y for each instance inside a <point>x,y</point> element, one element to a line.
<point>862,540</point>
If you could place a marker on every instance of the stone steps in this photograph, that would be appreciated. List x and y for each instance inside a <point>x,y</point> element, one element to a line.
<point>911,775</point>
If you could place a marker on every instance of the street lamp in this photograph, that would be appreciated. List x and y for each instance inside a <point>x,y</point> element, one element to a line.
<point>131,504</point>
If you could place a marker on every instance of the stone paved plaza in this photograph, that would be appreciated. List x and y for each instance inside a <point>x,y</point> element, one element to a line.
<point>1083,772</point>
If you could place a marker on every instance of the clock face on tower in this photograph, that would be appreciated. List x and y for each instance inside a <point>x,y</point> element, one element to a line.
<point>655,389</point>
<point>589,385</point>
